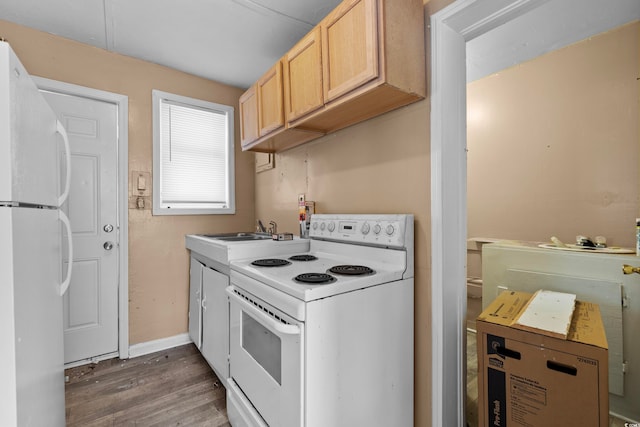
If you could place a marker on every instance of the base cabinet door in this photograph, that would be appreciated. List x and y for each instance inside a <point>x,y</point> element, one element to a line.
<point>195,312</point>
<point>215,321</point>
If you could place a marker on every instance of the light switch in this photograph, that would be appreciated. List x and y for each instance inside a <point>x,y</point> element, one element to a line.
<point>142,183</point>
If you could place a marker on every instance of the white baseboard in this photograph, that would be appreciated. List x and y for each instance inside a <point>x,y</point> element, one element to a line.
<point>96,359</point>
<point>148,347</point>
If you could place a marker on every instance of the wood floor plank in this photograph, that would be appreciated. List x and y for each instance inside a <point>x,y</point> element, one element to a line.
<point>147,383</point>
<point>175,387</point>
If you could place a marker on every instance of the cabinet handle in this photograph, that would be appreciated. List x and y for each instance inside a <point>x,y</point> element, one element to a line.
<point>628,269</point>
<point>261,317</point>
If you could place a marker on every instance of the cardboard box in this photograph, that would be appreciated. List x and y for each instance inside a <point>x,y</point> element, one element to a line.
<point>530,379</point>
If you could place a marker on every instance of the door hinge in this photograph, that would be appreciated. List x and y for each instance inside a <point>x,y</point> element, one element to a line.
<point>624,367</point>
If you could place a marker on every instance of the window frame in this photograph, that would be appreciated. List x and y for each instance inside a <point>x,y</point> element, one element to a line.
<point>158,98</point>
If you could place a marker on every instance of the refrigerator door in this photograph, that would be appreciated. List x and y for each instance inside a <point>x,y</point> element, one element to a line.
<point>29,141</point>
<point>32,360</point>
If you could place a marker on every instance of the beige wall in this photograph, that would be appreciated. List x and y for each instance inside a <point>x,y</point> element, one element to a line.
<point>378,166</point>
<point>158,260</point>
<point>553,144</point>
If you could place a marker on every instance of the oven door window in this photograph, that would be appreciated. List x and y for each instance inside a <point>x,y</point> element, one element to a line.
<point>263,345</point>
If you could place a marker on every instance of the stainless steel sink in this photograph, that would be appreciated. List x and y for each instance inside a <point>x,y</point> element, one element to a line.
<point>242,238</point>
<point>238,237</point>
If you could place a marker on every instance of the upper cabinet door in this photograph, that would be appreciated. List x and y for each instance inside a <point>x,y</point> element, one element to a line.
<point>303,76</point>
<point>349,47</point>
<point>248,116</point>
<point>270,100</point>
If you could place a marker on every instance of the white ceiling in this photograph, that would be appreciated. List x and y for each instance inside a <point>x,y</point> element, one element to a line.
<point>230,41</point>
<point>552,25</point>
<point>236,41</point>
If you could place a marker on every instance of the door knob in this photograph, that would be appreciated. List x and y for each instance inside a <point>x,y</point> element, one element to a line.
<point>628,269</point>
<point>108,245</point>
<point>108,228</point>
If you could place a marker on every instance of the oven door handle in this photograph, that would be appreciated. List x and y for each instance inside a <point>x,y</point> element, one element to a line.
<point>264,318</point>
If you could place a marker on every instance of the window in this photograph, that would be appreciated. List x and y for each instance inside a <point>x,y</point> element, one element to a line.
<point>192,156</point>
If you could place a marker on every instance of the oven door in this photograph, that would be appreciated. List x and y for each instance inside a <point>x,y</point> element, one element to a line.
<point>266,349</point>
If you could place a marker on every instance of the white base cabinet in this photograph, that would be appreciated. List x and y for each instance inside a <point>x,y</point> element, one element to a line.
<point>215,321</point>
<point>209,316</point>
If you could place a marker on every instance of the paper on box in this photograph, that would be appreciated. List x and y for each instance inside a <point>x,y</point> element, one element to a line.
<point>526,378</point>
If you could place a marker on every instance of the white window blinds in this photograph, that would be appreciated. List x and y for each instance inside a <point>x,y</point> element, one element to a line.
<point>194,159</point>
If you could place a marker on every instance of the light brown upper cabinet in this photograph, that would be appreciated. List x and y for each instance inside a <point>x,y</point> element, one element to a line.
<point>249,131</point>
<point>349,47</point>
<point>303,76</point>
<point>270,96</point>
<point>365,58</point>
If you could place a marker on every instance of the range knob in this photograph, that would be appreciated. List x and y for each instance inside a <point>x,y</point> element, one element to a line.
<point>315,225</point>
<point>331,227</point>
<point>377,229</point>
<point>322,226</point>
<point>390,229</point>
<point>365,228</point>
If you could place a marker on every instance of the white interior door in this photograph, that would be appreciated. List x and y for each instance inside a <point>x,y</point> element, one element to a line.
<point>91,303</point>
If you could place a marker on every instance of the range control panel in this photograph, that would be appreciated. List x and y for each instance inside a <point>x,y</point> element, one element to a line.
<point>378,230</point>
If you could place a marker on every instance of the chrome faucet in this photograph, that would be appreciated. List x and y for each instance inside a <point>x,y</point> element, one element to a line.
<point>273,229</point>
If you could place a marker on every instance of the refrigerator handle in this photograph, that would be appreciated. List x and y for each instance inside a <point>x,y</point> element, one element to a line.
<point>65,284</point>
<point>67,149</point>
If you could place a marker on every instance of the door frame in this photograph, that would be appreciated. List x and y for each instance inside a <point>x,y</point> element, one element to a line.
<point>451,28</point>
<point>122,104</point>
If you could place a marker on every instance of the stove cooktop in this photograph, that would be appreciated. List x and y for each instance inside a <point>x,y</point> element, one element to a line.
<point>346,253</point>
<point>316,275</point>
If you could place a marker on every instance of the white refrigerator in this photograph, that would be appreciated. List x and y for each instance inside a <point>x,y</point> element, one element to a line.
<point>34,233</point>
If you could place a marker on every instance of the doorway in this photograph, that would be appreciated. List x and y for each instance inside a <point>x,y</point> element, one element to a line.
<point>96,308</point>
<point>451,29</point>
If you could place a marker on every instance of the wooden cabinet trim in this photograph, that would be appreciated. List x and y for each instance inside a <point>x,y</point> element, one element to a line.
<point>248,104</point>
<point>312,79</point>
<point>270,104</point>
<point>395,35</point>
<point>370,48</point>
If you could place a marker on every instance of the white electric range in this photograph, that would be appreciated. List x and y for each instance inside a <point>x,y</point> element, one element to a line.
<point>325,337</point>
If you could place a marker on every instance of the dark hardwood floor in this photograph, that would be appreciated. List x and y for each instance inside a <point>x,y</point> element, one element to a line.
<point>174,387</point>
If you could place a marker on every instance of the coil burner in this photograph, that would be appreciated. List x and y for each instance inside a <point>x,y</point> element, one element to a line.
<point>304,257</point>
<point>270,262</point>
<point>351,270</point>
<point>315,278</point>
